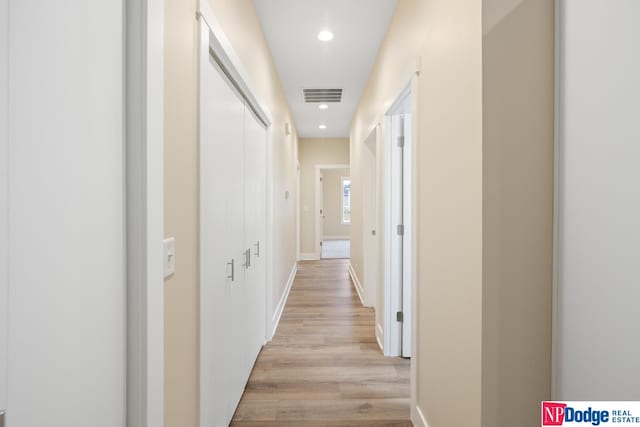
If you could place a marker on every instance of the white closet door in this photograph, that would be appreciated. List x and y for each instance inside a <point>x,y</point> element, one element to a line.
<point>4,196</point>
<point>66,214</point>
<point>598,250</point>
<point>256,190</point>
<point>222,238</point>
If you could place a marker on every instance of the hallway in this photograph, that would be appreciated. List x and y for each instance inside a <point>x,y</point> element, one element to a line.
<point>324,367</point>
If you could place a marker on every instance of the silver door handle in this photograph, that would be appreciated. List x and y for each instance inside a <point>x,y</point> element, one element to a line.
<point>247,258</point>
<point>233,272</point>
<point>257,245</point>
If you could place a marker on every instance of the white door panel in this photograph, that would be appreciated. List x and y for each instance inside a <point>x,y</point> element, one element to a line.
<point>255,160</point>
<point>407,220</point>
<point>4,201</point>
<point>222,208</point>
<point>66,314</point>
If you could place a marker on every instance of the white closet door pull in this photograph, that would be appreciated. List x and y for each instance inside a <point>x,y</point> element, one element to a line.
<point>233,273</point>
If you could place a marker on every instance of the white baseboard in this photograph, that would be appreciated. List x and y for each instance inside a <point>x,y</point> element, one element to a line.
<point>336,237</point>
<point>283,301</point>
<point>417,418</point>
<point>380,336</point>
<point>356,283</point>
<point>309,256</point>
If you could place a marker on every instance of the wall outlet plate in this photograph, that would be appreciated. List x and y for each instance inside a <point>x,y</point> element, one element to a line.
<point>169,256</point>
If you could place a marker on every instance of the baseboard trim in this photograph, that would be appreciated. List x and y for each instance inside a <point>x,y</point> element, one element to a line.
<point>380,336</point>
<point>417,418</point>
<point>356,283</point>
<point>275,321</point>
<point>309,256</point>
<point>336,237</point>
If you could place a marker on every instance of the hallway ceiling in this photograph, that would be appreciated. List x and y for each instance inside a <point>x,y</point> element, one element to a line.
<point>304,62</point>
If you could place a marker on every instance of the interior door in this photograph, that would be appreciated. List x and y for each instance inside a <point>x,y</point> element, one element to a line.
<point>407,236</point>
<point>65,276</point>
<point>222,235</point>
<point>4,201</point>
<point>321,213</point>
<point>256,191</point>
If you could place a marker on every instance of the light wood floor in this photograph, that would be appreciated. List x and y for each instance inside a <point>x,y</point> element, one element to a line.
<point>324,367</point>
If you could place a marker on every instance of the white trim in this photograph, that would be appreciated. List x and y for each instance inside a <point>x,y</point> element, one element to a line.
<point>269,260</point>
<point>309,256</point>
<point>283,301</point>
<point>417,417</point>
<point>221,46</point>
<point>316,216</point>
<point>380,336</point>
<point>4,198</point>
<point>356,283</point>
<point>330,237</point>
<point>415,246</point>
<point>555,329</point>
<point>145,212</point>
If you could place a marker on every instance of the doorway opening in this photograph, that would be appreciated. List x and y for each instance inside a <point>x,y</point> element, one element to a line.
<point>333,211</point>
<point>399,227</point>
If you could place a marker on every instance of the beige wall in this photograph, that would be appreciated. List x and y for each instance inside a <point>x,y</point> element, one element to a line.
<point>312,152</point>
<point>460,281</point>
<point>518,104</point>
<point>332,201</point>
<point>240,23</point>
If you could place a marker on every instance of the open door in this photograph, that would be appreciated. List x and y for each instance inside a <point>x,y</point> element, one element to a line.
<point>398,228</point>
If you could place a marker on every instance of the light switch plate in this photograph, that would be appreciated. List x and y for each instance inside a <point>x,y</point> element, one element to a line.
<point>169,256</point>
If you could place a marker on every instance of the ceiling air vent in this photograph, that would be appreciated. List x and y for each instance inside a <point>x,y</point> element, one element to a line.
<point>322,95</point>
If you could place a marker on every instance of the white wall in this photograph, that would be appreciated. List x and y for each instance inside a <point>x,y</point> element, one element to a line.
<point>599,201</point>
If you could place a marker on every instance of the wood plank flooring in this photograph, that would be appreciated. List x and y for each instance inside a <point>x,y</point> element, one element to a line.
<point>324,367</point>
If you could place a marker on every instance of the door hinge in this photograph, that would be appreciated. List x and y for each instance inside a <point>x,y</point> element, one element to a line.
<point>320,179</point>
<point>401,141</point>
<point>400,229</point>
<point>320,243</point>
<point>400,316</point>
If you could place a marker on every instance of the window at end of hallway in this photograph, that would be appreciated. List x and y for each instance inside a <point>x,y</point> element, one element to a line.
<point>345,185</point>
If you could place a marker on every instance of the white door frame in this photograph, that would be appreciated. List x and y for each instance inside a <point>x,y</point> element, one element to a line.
<point>394,263</point>
<point>145,212</point>
<point>370,218</point>
<point>317,195</point>
<point>297,210</point>
<point>4,197</point>
<point>412,88</point>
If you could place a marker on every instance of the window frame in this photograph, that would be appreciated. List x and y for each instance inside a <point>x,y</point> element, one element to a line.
<point>342,204</point>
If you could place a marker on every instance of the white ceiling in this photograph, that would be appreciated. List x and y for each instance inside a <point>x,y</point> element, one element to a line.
<point>304,62</point>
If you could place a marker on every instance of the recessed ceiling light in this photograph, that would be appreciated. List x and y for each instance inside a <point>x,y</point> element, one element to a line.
<point>325,35</point>
<point>322,127</point>
<point>323,106</point>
